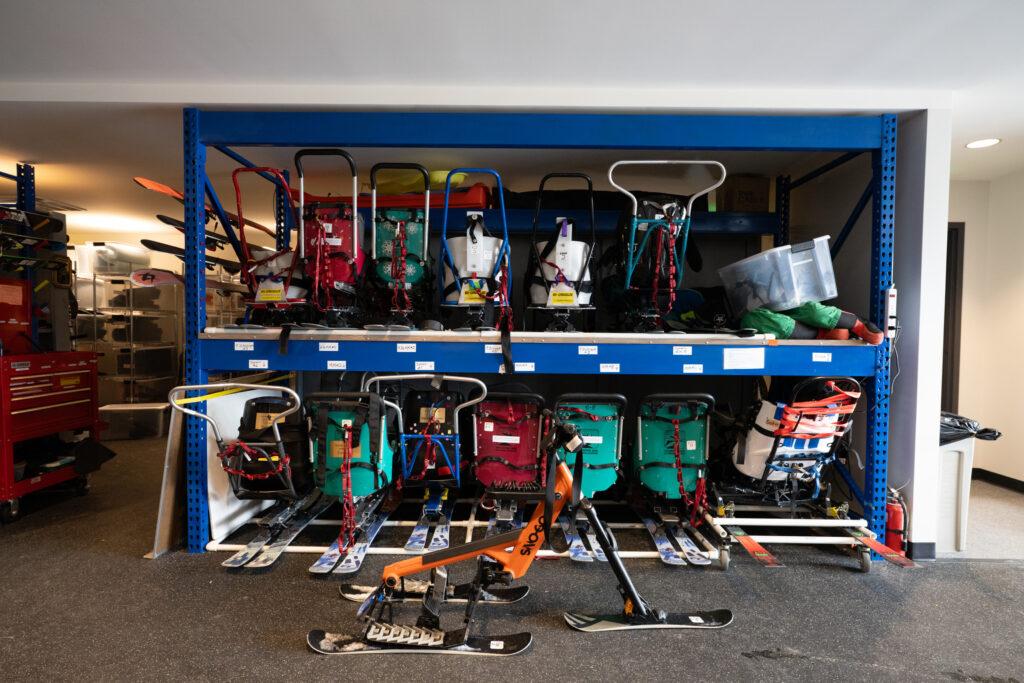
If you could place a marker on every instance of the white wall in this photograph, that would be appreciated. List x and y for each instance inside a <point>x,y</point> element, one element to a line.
<point>993,214</point>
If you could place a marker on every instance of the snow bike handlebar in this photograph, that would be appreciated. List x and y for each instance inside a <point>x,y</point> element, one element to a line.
<point>435,379</point>
<point>174,394</point>
<point>398,165</point>
<point>327,152</point>
<point>666,162</point>
<point>591,214</point>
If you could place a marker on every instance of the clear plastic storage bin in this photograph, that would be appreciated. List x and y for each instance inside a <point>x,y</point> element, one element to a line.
<point>781,278</point>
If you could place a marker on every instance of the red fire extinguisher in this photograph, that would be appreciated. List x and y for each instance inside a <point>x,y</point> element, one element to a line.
<point>896,522</point>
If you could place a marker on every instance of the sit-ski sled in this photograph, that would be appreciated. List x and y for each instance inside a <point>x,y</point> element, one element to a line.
<point>669,464</point>
<point>558,282</point>
<point>500,560</point>
<point>654,248</point>
<point>598,418</point>
<point>507,428</point>
<point>352,462</point>
<point>781,453</point>
<point>430,448</point>
<point>400,272</point>
<point>267,461</point>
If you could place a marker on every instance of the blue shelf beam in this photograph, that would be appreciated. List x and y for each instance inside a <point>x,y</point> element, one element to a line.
<point>847,135</point>
<point>675,359</point>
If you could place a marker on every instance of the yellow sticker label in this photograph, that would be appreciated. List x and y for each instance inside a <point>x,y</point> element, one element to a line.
<point>263,420</point>
<point>562,298</point>
<point>270,291</point>
<point>473,292</point>
<point>337,449</point>
<point>71,381</point>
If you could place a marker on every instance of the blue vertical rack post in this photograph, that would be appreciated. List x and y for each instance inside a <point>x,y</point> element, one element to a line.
<point>850,135</point>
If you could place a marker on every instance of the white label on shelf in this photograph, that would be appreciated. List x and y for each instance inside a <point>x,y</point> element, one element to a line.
<point>492,348</point>
<point>328,346</point>
<point>682,350</point>
<point>587,350</point>
<point>258,364</point>
<point>488,426</point>
<point>337,365</point>
<point>821,357</point>
<point>609,367</point>
<point>245,346</point>
<point>593,439</point>
<point>424,365</point>
<point>751,358</point>
<point>691,445</point>
<point>406,348</point>
<point>525,367</point>
<point>501,438</point>
<point>693,369</point>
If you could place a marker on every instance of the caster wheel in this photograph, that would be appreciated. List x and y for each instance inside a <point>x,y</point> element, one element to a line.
<point>865,561</point>
<point>723,559</point>
<point>80,486</point>
<point>10,511</point>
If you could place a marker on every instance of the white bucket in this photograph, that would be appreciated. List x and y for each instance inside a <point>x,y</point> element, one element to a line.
<point>472,260</point>
<point>751,453</point>
<point>569,255</point>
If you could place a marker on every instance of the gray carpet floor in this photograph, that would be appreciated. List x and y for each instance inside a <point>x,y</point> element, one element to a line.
<point>995,524</point>
<point>80,602</point>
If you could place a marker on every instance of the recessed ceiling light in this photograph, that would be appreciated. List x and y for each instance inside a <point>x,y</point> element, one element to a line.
<point>987,142</point>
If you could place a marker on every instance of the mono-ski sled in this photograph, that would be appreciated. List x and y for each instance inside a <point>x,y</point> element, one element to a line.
<point>500,560</point>
<point>267,461</point>
<point>669,464</point>
<point>352,462</point>
<point>430,446</point>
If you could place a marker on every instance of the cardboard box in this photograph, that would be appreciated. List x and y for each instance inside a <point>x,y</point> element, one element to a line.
<point>744,193</point>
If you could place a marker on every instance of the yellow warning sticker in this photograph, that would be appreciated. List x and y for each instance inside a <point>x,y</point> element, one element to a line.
<point>426,412</point>
<point>263,420</point>
<point>337,449</point>
<point>473,293</point>
<point>562,298</point>
<point>71,381</point>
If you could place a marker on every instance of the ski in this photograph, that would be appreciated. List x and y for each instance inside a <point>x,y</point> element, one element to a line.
<point>326,563</point>
<point>288,534</point>
<point>669,555</point>
<point>887,553</point>
<point>577,551</point>
<point>442,527</point>
<point>415,589</point>
<point>417,542</point>
<point>414,639</point>
<point>357,553</point>
<point>595,547</point>
<point>755,549</point>
<point>694,555</point>
<point>619,622</point>
<point>275,520</point>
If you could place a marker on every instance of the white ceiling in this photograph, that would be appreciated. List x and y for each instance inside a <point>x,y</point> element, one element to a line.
<point>114,75</point>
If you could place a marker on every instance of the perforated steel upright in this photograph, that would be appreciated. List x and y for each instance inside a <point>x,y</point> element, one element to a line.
<point>195,322</point>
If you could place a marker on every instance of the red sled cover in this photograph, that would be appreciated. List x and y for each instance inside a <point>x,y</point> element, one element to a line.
<point>331,247</point>
<point>508,428</point>
<point>476,196</point>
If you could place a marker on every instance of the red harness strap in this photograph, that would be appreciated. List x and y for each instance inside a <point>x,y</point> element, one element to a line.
<point>399,296</point>
<point>242,449</point>
<point>429,456</point>
<point>838,404</point>
<point>699,492</point>
<point>347,532</point>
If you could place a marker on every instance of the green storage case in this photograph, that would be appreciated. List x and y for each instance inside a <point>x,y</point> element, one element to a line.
<point>654,459</point>
<point>331,414</point>
<point>598,417</point>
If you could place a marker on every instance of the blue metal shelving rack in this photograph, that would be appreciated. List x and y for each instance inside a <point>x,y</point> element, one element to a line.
<point>236,351</point>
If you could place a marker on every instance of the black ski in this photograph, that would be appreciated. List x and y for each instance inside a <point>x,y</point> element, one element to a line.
<point>618,622</point>
<point>413,639</point>
<point>275,520</point>
<point>414,591</point>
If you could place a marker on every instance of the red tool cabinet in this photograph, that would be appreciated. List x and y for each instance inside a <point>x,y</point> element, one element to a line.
<point>42,394</point>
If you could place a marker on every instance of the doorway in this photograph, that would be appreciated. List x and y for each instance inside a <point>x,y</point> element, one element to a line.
<point>951,328</point>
